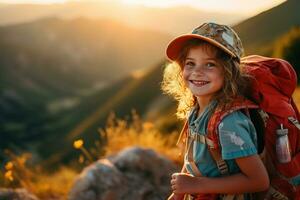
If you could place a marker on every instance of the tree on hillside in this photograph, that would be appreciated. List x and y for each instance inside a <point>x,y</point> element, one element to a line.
<point>288,48</point>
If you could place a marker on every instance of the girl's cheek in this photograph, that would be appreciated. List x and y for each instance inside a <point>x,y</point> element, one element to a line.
<point>185,73</point>
<point>185,76</point>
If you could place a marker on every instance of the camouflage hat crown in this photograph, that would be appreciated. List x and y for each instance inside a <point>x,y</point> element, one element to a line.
<point>218,35</point>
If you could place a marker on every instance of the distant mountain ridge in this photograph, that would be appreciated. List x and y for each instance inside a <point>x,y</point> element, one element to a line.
<point>173,21</point>
<point>259,32</point>
<point>81,44</point>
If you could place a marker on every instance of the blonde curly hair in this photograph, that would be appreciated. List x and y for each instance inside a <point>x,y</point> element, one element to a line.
<point>235,79</point>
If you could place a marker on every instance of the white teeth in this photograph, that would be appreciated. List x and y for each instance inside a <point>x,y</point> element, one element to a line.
<point>199,82</point>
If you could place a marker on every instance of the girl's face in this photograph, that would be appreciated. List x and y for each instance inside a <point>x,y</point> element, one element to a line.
<point>202,74</point>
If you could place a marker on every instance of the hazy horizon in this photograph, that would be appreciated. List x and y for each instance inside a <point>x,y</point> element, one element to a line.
<point>245,8</point>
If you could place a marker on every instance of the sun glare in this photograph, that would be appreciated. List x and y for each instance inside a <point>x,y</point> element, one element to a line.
<point>225,6</point>
<point>33,1</point>
<point>154,3</point>
<point>246,7</point>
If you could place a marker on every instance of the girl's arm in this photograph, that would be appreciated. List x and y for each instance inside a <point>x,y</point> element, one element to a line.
<point>252,178</point>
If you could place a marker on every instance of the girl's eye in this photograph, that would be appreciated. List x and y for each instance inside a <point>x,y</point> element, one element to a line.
<point>189,63</point>
<point>210,64</point>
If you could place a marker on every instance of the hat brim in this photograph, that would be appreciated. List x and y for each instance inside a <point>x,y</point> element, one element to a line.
<point>175,46</point>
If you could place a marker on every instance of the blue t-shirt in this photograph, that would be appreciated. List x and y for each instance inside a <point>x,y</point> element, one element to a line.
<point>237,137</point>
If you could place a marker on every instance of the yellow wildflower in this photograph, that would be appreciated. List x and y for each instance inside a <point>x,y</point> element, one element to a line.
<point>78,144</point>
<point>9,165</point>
<point>8,175</point>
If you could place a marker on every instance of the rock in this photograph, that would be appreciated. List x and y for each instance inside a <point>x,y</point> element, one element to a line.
<point>135,173</point>
<point>97,180</point>
<point>16,194</point>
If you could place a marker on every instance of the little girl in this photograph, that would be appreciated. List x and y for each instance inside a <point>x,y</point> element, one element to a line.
<point>205,76</point>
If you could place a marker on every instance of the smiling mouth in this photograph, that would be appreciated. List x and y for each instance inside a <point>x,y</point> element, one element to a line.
<point>199,83</point>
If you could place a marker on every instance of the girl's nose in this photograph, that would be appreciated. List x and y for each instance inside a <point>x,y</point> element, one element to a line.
<point>199,69</point>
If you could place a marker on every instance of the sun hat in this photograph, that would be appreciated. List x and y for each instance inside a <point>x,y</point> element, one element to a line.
<point>221,36</point>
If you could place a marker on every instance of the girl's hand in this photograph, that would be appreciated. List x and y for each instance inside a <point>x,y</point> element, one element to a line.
<point>182,183</point>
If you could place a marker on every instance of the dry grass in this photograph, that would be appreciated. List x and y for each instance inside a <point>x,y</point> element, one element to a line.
<point>19,173</point>
<point>54,186</point>
<point>120,134</point>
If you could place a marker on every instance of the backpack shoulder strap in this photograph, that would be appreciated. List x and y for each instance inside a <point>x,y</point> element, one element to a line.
<point>239,103</point>
<point>183,133</point>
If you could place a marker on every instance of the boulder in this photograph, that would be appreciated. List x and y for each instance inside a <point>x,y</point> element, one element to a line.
<point>134,173</point>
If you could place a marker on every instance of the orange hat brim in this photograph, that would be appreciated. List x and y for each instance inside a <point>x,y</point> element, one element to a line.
<point>175,46</point>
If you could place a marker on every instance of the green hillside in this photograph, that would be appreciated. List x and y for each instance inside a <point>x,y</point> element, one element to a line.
<point>49,67</point>
<point>38,128</point>
<point>258,33</point>
<point>121,98</point>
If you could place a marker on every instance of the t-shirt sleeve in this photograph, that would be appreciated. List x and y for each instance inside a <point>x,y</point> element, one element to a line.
<point>237,136</point>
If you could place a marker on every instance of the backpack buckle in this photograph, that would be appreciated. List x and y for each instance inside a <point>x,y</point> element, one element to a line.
<point>264,116</point>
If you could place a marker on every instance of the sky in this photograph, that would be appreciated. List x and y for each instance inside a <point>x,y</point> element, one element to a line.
<point>226,6</point>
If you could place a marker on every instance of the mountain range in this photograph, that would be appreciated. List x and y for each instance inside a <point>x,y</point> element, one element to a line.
<point>259,33</point>
<point>48,67</point>
<point>173,20</point>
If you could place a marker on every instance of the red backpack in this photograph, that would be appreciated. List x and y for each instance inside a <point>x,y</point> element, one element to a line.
<point>273,83</point>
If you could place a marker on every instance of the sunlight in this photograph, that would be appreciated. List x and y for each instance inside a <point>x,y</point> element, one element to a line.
<point>154,3</point>
<point>245,7</point>
<point>225,6</point>
<point>33,1</point>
